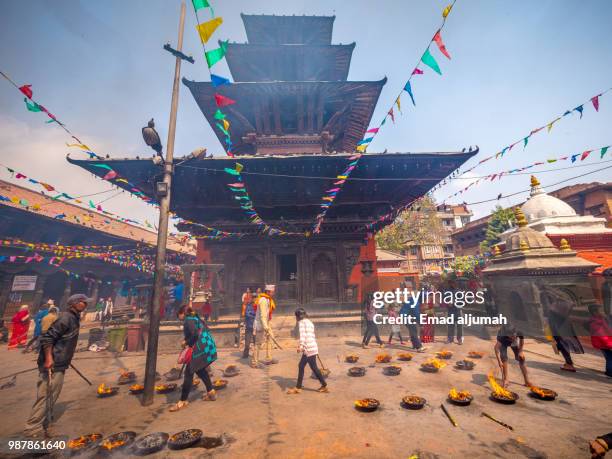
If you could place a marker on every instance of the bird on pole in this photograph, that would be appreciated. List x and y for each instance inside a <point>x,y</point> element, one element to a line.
<point>151,137</point>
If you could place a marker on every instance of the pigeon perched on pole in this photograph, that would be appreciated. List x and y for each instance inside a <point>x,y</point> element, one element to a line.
<point>151,137</point>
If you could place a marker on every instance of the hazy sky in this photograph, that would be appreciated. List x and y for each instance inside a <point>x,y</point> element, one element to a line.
<point>100,67</point>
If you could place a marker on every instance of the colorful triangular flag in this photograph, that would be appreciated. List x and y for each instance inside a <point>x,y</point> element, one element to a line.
<point>206,29</point>
<point>223,101</point>
<point>215,55</point>
<point>408,89</point>
<point>217,80</point>
<point>438,39</point>
<point>429,60</point>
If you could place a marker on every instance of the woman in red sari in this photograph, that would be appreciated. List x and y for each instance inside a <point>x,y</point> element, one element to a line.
<point>21,325</point>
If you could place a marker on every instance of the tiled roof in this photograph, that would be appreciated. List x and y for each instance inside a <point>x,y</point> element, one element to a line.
<point>27,200</point>
<point>601,257</point>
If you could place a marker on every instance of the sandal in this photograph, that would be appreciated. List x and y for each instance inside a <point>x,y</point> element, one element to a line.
<point>323,390</point>
<point>564,368</point>
<point>293,390</point>
<point>179,405</point>
<point>210,396</point>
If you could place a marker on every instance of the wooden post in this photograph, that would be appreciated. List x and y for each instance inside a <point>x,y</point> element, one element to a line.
<point>162,233</point>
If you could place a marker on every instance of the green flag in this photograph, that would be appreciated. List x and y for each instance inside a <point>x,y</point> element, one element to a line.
<point>219,115</point>
<point>199,4</point>
<point>429,60</point>
<point>215,55</point>
<point>33,107</point>
<point>603,151</point>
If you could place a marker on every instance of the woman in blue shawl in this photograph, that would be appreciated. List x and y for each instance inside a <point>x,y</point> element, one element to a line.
<point>198,337</point>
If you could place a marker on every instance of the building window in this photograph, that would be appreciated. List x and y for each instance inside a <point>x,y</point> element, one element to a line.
<point>413,250</point>
<point>287,267</point>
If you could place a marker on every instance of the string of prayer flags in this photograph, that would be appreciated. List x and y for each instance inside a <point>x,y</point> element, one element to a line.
<point>595,102</point>
<point>331,194</point>
<point>548,126</point>
<point>32,106</point>
<point>206,29</point>
<point>215,55</point>
<point>498,175</point>
<point>426,59</point>
<point>241,194</point>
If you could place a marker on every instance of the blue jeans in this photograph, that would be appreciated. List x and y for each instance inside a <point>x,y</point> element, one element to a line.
<point>413,330</point>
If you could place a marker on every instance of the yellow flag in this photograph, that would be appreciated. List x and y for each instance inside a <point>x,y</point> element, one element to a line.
<point>36,207</point>
<point>550,125</point>
<point>361,148</point>
<point>78,145</point>
<point>447,10</point>
<point>15,200</point>
<point>239,167</point>
<point>397,102</point>
<point>226,124</point>
<point>206,29</point>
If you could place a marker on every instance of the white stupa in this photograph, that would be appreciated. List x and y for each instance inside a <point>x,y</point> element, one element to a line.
<point>551,215</point>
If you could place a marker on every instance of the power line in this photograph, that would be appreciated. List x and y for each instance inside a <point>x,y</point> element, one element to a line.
<point>547,186</point>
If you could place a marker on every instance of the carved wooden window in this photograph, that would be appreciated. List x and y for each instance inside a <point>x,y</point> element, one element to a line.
<point>324,277</point>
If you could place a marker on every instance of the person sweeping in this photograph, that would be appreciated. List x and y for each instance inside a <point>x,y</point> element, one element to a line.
<point>309,349</point>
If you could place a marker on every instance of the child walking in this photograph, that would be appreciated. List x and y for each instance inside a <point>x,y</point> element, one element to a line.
<point>309,349</point>
<point>395,327</point>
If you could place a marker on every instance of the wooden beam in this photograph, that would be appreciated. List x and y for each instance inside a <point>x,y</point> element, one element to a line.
<point>310,113</point>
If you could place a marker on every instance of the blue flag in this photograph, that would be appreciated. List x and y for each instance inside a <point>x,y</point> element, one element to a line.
<point>217,80</point>
<point>408,89</point>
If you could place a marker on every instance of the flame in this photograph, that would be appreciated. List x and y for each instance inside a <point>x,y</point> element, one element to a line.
<point>102,389</point>
<point>434,363</point>
<point>498,390</point>
<point>383,358</point>
<point>365,403</point>
<point>541,392</point>
<point>112,444</point>
<point>82,441</point>
<point>462,396</point>
<point>77,442</point>
<point>476,354</point>
<point>219,382</point>
<point>444,353</point>
<point>124,373</point>
<point>405,355</point>
<point>136,387</point>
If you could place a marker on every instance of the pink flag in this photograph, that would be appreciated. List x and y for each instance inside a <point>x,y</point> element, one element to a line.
<point>595,101</point>
<point>585,154</point>
<point>20,175</point>
<point>390,113</point>
<point>110,175</point>
<point>236,185</point>
<point>373,130</point>
<point>354,157</point>
<point>417,71</point>
<point>438,39</point>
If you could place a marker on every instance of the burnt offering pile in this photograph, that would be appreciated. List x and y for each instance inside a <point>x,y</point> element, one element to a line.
<point>357,371</point>
<point>432,365</point>
<point>126,377</point>
<point>465,364</point>
<point>404,356</point>
<point>150,443</point>
<point>351,358</point>
<point>185,439</point>
<point>542,393</point>
<point>84,442</point>
<point>367,405</point>
<point>106,391</point>
<point>413,402</point>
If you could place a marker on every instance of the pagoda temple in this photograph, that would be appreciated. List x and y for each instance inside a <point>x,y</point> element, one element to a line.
<point>296,121</point>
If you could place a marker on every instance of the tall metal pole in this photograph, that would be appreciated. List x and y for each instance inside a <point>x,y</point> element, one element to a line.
<point>162,233</point>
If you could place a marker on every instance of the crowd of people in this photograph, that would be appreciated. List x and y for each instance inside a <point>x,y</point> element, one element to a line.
<point>55,337</point>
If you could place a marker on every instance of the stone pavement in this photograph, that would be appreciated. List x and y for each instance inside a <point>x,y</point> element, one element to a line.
<point>261,421</point>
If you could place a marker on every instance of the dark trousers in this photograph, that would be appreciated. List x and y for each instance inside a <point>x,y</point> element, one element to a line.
<point>371,330</point>
<point>608,356</point>
<point>312,362</point>
<point>188,381</point>
<point>399,334</point>
<point>413,330</point>
<point>248,339</point>
<point>455,313</point>
<point>561,346</point>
